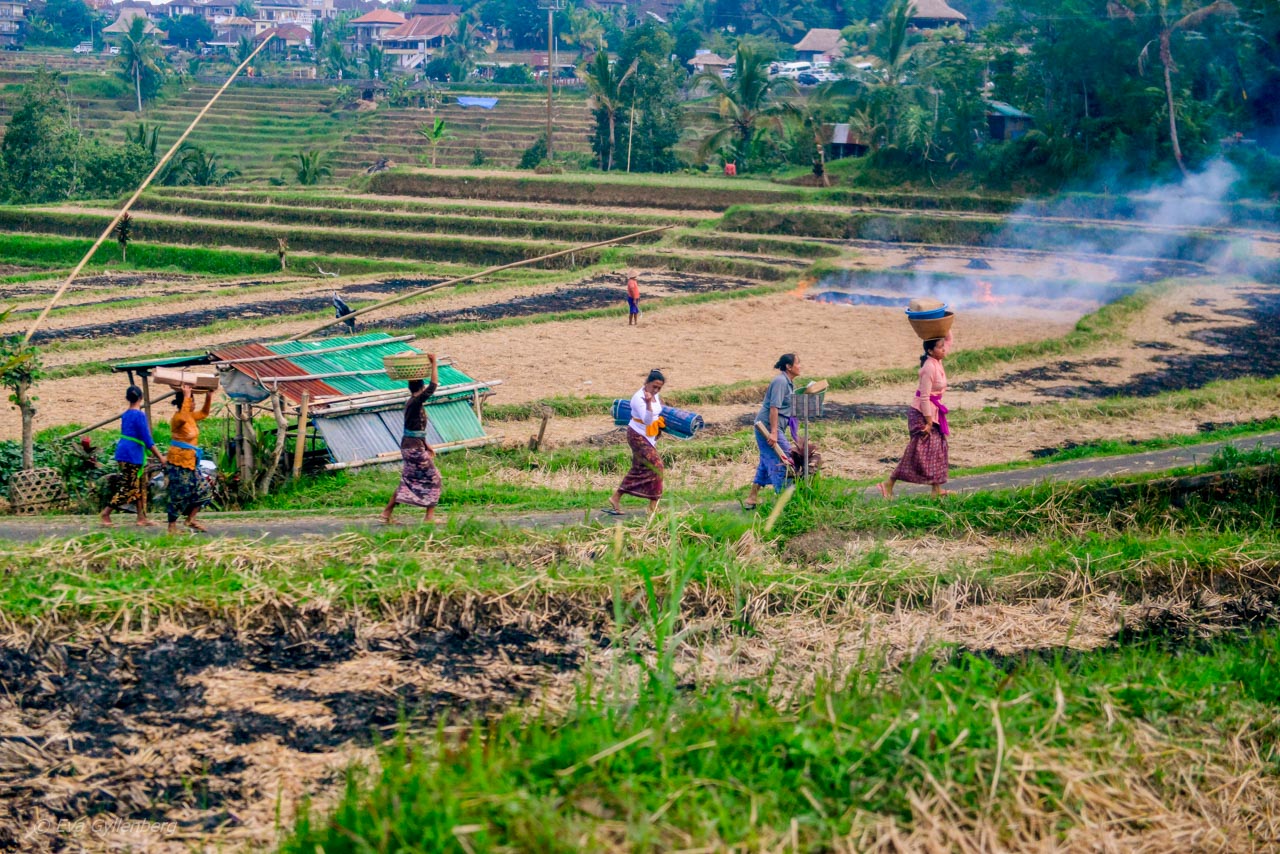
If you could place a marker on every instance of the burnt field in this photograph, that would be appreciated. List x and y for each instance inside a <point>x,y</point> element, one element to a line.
<point>593,293</point>
<point>194,729</point>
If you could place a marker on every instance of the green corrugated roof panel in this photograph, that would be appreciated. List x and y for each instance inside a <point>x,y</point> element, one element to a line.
<point>195,359</point>
<point>455,421</point>
<point>361,359</point>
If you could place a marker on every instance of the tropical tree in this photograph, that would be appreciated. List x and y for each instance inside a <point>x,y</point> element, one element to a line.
<point>890,81</point>
<point>309,167</point>
<point>20,370</point>
<point>141,60</point>
<point>460,54</point>
<point>202,168</point>
<point>124,235</point>
<point>747,103</point>
<point>776,21</point>
<point>336,62</point>
<point>434,133</point>
<point>585,29</point>
<point>1171,23</point>
<point>606,90</point>
<point>375,59</point>
<point>244,49</point>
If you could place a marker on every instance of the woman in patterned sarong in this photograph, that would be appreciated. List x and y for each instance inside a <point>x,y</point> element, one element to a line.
<point>926,458</point>
<point>644,479</point>
<point>419,479</point>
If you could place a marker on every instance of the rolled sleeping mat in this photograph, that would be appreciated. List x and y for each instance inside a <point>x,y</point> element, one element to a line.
<point>681,423</point>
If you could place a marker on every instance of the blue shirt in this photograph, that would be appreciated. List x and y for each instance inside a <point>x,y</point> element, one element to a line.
<point>133,425</point>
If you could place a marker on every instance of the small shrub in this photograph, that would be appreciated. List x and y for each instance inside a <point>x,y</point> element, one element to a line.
<point>477,157</point>
<point>534,154</point>
<point>513,75</point>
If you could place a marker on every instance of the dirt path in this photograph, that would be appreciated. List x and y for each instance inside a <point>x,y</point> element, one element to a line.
<point>312,525</point>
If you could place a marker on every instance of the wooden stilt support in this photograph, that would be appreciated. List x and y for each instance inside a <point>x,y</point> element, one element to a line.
<point>146,399</point>
<point>300,441</point>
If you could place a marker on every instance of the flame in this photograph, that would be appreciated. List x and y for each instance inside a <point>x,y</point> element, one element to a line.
<point>983,293</point>
<point>803,285</point>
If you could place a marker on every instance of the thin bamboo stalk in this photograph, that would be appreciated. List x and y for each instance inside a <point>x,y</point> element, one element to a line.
<point>129,204</point>
<point>399,298</point>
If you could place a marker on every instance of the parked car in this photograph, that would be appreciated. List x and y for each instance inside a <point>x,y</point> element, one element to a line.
<point>14,46</point>
<point>114,50</point>
<point>806,78</point>
<point>83,47</point>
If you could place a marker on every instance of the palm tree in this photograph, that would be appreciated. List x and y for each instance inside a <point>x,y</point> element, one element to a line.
<point>462,49</point>
<point>776,22</point>
<point>244,49</point>
<point>1168,28</point>
<point>748,103</point>
<point>309,167</point>
<point>375,61</point>
<point>434,133</point>
<point>606,93</point>
<point>203,170</point>
<point>140,55</point>
<point>586,30</point>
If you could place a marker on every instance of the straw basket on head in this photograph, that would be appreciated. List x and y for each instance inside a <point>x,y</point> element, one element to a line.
<point>407,366</point>
<point>930,318</point>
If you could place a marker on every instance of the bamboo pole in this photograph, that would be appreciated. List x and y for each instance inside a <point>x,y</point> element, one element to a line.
<point>491,270</point>
<point>300,441</point>
<point>129,204</point>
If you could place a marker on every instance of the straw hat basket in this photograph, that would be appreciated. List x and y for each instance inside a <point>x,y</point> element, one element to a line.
<point>407,366</point>
<point>934,328</point>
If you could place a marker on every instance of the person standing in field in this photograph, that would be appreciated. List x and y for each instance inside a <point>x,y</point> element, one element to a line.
<point>633,300</point>
<point>130,456</point>
<point>776,415</point>
<point>926,458</point>
<point>183,459</point>
<point>420,481</point>
<point>644,479</point>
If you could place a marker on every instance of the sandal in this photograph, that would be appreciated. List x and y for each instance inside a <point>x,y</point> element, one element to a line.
<point>609,511</point>
<point>748,505</point>
<point>197,527</point>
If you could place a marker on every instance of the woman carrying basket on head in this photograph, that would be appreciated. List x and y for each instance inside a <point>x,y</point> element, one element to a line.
<point>926,458</point>
<point>420,480</point>
<point>776,416</point>
<point>644,479</point>
<point>131,456</point>
<point>183,459</point>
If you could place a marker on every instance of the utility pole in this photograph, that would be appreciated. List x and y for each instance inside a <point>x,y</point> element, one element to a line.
<point>552,6</point>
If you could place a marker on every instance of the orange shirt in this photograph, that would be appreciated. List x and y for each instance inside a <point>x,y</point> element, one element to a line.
<point>633,288</point>
<point>182,426</point>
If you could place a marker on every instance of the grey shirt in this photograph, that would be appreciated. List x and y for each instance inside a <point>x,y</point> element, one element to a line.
<point>779,395</point>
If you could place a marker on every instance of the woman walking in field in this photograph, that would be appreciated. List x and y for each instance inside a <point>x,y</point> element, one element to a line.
<point>776,415</point>
<point>131,455</point>
<point>926,458</point>
<point>644,480</point>
<point>420,480</point>
<point>183,458</point>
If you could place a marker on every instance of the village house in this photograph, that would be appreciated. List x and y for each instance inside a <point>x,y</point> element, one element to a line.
<point>286,39</point>
<point>416,40</point>
<point>124,21</point>
<point>934,14</point>
<point>369,28</point>
<point>1005,122</point>
<point>217,11</point>
<point>705,60</point>
<point>820,46</point>
<point>13,19</point>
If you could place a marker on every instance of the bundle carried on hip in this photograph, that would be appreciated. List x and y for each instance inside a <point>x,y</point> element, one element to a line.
<point>681,423</point>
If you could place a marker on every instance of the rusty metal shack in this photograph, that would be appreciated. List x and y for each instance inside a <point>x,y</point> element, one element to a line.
<point>337,392</point>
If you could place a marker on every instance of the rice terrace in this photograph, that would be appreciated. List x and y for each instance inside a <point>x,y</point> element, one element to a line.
<point>844,427</point>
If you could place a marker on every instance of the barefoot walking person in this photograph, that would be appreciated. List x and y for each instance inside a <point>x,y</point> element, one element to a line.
<point>925,459</point>
<point>644,480</point>
<point>183,458</point>
<point>420,480</point>
<point>776,414</point>
<point>131,456</point>
<point>633,300</point>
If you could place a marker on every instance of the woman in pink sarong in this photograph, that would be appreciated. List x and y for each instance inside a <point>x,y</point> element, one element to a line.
<point>925,459</point>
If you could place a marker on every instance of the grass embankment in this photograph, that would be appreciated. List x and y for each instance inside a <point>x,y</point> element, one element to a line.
<point>67,252</point>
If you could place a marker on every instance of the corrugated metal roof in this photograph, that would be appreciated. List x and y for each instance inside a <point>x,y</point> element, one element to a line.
<point>365,435</point>
<point>1007,110</point>
<point>172,361</point>
<point>275,368</point>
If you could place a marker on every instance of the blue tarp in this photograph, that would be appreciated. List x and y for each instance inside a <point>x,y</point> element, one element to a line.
<point>486,103</point>
<point>681,423</point>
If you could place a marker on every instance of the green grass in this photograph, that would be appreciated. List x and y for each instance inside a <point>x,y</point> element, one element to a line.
<point>729,766</point>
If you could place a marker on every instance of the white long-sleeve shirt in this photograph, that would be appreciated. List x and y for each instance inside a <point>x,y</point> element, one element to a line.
<point>642,417</point>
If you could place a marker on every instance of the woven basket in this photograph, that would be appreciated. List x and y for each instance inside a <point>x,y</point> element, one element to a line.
<point>929,329</point>
<point>407,366</point>
<point>36,490</point>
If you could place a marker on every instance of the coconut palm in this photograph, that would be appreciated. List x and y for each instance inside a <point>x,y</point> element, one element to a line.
<point>203,169</point>
<point>1169,27</point>
<point>309,167</point>
<point>244,49</point>
<point>606,94</point>
<point>375,60</point>
<point>461,51</point>
<point>748,103</point>
<point>140,56</point>
<point>585,30</point>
